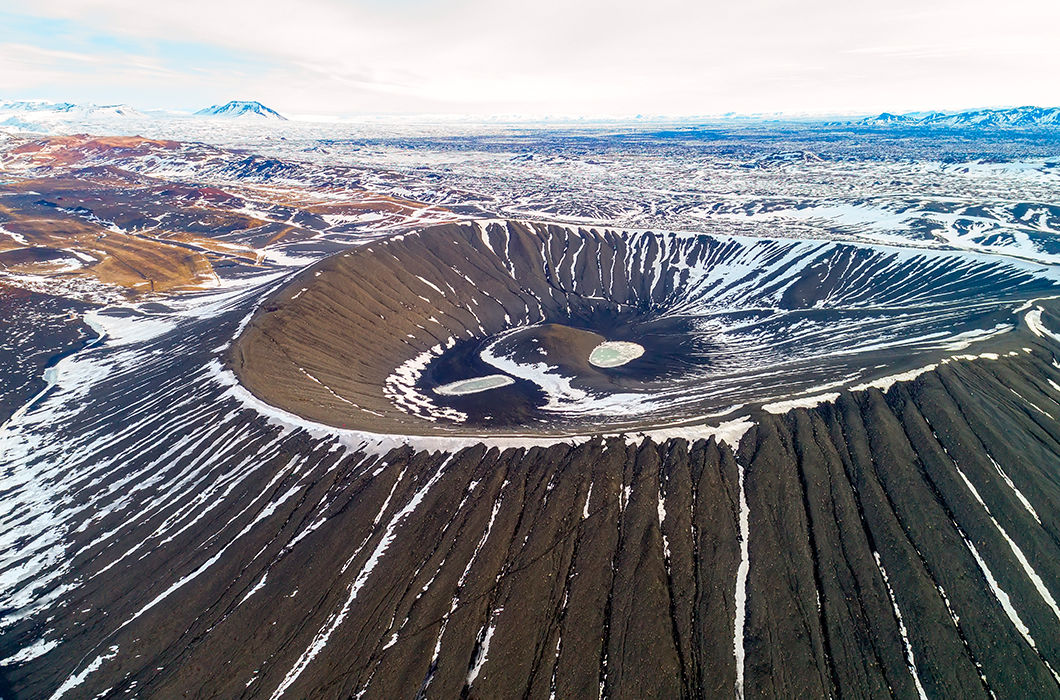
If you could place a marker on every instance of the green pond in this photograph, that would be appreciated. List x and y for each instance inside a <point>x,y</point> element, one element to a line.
<point>615,353</point>
<point>473,386</point>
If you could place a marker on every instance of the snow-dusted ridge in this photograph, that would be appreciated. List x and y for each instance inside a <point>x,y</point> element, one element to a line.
<point>1014,117</point>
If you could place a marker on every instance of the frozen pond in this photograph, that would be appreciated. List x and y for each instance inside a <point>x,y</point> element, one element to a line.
<point>473,386</point>
<point>615,353</point>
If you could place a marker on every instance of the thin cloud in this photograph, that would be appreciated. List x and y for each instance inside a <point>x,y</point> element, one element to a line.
<point>556,57</point>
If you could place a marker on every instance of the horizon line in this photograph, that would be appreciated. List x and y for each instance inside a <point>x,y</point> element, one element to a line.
<point>332,117</point>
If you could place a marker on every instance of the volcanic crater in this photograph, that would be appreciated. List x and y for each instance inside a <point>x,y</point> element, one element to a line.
<point>509,313</point>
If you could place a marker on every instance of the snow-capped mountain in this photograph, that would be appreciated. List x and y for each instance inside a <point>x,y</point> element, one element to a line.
<point>1016,117</point>
<point>48,117</point>
<point>241,109</point>
<point>36,106</point>
<point>41,108</point>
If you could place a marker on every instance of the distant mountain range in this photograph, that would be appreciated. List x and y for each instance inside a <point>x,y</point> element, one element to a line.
<point>42,115</point>
<point>238,109</point>
<point>44,108</point>
<point>37,106</point>
<point>1016,117</point>
<point>70,111</point>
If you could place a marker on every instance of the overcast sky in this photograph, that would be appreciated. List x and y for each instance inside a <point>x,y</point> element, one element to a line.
<point>539,57</point>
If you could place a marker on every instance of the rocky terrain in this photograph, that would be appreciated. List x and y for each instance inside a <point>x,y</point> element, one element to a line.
<point>832,472</point>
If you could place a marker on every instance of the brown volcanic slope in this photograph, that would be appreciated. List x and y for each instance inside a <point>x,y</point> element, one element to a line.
<point>107,209</point>
<point>112,257</point>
